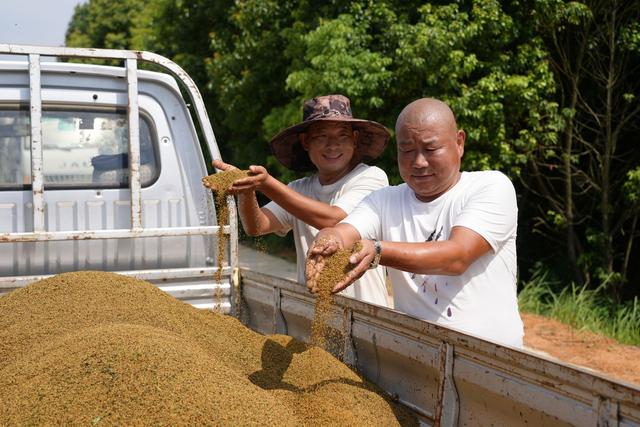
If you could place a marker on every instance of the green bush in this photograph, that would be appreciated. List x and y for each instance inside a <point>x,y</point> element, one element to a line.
<point>581,307</point>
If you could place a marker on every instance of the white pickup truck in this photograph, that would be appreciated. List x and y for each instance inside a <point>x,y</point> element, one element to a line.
<point>101,168</point>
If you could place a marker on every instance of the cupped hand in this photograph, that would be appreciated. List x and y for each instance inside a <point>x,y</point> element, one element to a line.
<point>313,268</point>
<point>219,164</point>
<point>361,261</point>
<point>322,247</point>
<point>258,176</point>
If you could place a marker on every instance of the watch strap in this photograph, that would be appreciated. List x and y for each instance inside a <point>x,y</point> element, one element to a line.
<point>376,259</point>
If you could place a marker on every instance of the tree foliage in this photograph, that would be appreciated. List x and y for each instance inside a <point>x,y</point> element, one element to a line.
<point>545,90</point>
<point>586,182</point>
<point>103,23</point>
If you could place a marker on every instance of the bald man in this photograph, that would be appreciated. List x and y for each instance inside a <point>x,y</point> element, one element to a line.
<point>447,238</point>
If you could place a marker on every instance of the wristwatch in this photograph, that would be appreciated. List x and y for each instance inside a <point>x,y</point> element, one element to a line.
<point>376,259</point>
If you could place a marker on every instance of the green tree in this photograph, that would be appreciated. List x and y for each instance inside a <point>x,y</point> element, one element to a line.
<point>248,69</point>
<point>182,31</point>
<point>584,182</point>
<point>103,23</point>
<point>545,90</point>
<point>495,77</point>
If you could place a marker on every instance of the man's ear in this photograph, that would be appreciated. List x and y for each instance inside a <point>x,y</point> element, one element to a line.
<point>461,136</point>
<point>356,137</point>
<point>303,141</point>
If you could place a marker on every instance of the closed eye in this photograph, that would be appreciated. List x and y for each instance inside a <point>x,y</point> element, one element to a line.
<point>406,147</point>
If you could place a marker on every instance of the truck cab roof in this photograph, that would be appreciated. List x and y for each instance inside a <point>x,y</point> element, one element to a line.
<point>96,70</point>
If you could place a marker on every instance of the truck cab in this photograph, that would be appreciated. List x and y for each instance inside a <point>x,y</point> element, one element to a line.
<point>84,187</point>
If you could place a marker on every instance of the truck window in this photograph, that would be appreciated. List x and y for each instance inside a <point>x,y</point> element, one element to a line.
<point>80,149</point>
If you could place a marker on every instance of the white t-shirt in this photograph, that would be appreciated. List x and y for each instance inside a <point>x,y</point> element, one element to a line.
<point>345,193</point>
<point>482,301</point>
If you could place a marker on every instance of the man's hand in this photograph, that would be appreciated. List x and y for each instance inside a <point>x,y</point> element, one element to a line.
<point>361,261</point>
<point>219,164</point>
<point>256,180</point>
<point>326,245</point>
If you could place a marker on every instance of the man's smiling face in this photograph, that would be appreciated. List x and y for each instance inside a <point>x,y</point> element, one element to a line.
<point>331,147</point>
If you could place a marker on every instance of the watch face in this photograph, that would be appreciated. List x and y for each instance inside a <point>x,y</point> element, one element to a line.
<point>377,246</point>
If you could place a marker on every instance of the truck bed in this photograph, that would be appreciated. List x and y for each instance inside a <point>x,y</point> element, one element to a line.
<point>447,377</point>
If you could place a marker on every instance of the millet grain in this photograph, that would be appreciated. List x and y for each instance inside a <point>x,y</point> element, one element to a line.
<point>96,348</point>
<point>220,183</point>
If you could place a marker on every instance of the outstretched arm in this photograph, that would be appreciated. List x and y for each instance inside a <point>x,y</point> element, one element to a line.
<point>310,211</point>
<point>257,221</point>
<point>449,257</point>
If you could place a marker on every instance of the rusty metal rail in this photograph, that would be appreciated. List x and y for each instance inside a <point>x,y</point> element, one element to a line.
<point>37,180</point>
<point>46,236</point>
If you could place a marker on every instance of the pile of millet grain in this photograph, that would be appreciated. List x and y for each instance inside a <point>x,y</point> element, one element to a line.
<point>95,348</point>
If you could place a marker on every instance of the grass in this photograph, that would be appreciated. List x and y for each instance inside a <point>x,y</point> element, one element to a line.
<point>582,308</point>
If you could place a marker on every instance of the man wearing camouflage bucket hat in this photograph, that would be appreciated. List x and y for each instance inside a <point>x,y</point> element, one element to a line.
<point>335,145</point>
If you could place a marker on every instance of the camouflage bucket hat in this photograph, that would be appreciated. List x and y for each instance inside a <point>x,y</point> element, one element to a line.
<point>286,146</point>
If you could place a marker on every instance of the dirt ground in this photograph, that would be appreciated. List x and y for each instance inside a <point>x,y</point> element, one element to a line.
<point>582,348</point>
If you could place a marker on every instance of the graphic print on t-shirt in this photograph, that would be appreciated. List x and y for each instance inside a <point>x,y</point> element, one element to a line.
<point>426,283</point>
<point>430,238</point>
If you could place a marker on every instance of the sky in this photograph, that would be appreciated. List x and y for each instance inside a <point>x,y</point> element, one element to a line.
<point>40,22</point>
